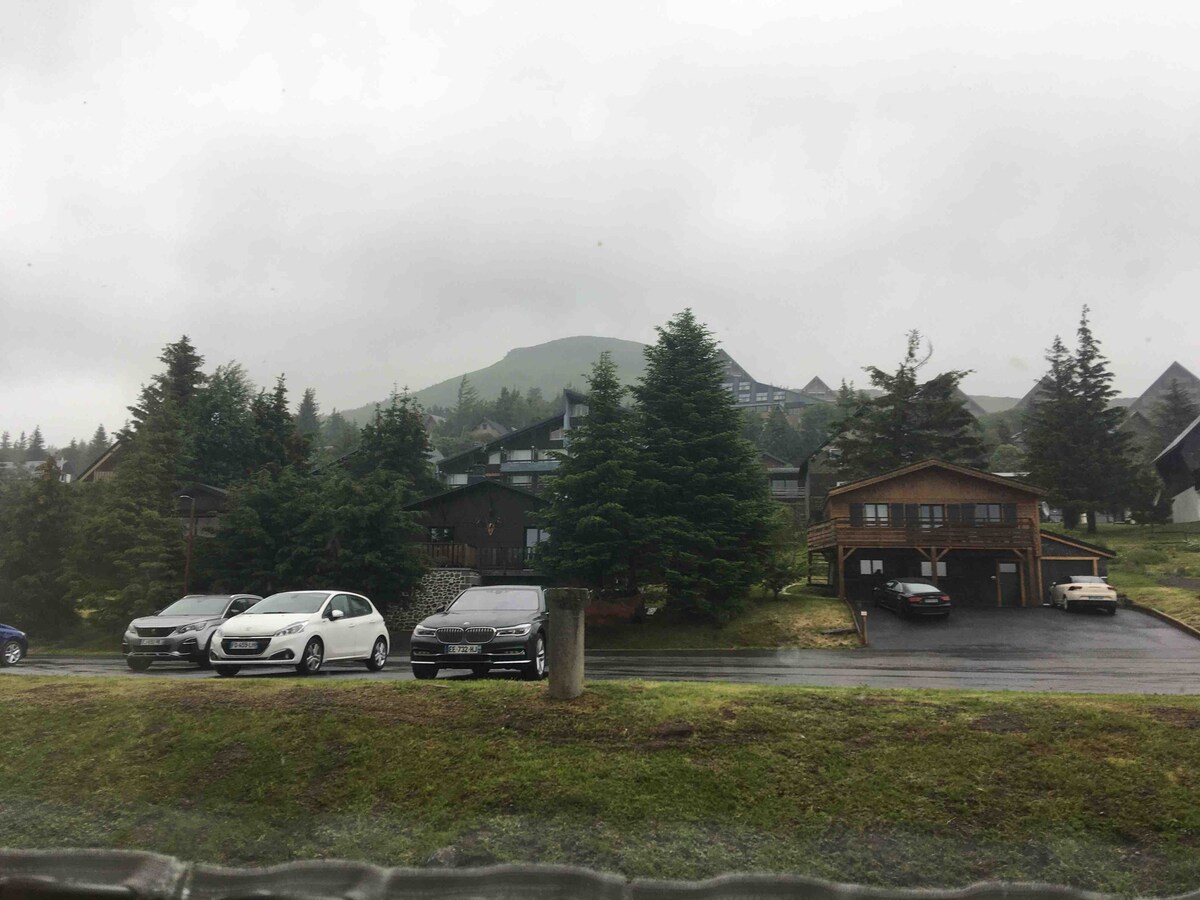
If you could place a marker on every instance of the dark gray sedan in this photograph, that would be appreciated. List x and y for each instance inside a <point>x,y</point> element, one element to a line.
<point>181,632</point>
<point>500,627</point>
<point>913,598</point>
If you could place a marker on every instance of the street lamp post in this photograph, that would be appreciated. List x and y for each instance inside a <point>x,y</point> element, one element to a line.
<point>187,565</point>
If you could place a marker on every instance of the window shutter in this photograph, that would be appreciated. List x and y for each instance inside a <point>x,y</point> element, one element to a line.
<point>953,513</point>
<point>968,514</point>
<point>912,515</point>
<point>1009,512</point>
<point>896,514</point>
<point>856,514</point>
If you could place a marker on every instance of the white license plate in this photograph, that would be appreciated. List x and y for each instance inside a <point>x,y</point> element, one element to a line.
<point>462,648</point>
<point>147,643</point>
<point>932,600</point>
<point>243,645</point>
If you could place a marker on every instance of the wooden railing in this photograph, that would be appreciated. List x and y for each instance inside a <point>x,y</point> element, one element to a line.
<point>835,532</point>
<point>445,555</point>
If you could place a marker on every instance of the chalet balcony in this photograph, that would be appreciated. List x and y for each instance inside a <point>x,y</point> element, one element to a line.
<point>840,532</point>
<point>490,560</point>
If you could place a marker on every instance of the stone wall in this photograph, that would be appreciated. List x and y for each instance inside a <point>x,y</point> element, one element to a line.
<point>435,589</point>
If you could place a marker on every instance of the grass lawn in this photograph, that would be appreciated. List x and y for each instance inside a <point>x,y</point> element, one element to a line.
<point>1148,555</point>
<point>796,620</point>
<point>644,779</point>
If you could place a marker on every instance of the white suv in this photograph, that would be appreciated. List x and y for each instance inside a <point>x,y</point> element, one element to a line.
<point>305,629</point>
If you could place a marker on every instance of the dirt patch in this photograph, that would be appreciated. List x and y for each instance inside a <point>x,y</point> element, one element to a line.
<point>1181,717</point>
<point>1000,723</point>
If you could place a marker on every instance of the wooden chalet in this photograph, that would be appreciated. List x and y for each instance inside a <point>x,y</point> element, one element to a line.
<point>486,526</point>
<point>976,535</point>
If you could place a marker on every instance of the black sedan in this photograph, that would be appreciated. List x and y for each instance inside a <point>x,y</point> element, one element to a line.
<point>13,645</point>
<point>501,627</point>
<point>916,598</point>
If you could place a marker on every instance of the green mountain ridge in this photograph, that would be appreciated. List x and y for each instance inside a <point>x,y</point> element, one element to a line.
<point>551,366</point>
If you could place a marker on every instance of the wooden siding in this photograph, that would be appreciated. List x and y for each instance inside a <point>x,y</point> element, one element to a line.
<point>833,533</point>
<point>934,485</point>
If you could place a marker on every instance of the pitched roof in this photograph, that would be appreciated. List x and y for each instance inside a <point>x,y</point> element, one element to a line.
<point>1179,439</point>
<point>1076,542</point>
<point>938,464</point>
<point>817,386</point>
<point>1026,403</point>
<point>473,488</point>
<point>1175,372</point>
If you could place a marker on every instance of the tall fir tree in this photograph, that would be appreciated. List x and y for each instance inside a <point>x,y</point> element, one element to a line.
<point>35,533</point>
<point>910,421</point>
<point>395,442</point>
<point>700,492</point>
<point>595,540</point>
<point>98,444</point>
<point>1173,412</point>
<point>220,428</point>
<point>1050,458</point>
<point>779,438</point>
<point>36,450</point>
<point>277,444</point>
<point>308,415</point>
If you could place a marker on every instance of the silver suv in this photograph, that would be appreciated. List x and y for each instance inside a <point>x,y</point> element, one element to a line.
<point>183,631</point>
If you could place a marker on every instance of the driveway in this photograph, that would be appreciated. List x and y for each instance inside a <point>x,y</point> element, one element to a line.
<point>1038,631</point>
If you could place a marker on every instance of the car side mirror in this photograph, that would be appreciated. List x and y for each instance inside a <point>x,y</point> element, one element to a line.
<point>335,614</point>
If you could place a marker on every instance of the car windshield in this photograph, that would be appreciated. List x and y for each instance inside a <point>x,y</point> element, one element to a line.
<point>197,606</point>
<point>919,588</point>
<point>498,599</point>
<point>1087,579</point>
<point>292,602</point>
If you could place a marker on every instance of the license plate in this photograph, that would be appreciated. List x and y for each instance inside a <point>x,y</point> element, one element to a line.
<point>462,648</point>
<point>932,600</point>
<point>243,645</point>
<point>146,643</point>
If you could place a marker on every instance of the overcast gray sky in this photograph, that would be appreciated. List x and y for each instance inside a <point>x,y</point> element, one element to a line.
<point>366,194</point>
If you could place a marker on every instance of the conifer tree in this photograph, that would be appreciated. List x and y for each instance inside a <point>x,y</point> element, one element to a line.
<point>35,532</point>
<point>308,415</point>
<point>910,421</point>
<point>1050,457</point>
<point>98,444</point>
<point>1174,412</point>
<point>700,494</point>
<point>395,442</point>
<point>594,537</point>
<point>36,450</point>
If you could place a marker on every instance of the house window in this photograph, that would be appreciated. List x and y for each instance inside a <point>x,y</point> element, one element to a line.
<point>870,566</point>
<point>441,534</point>
<point>988,514</point>
<point>931,515</point>
<point>785,485</point>
<point>875,515</point>
<point>520,455</point>
<point>456,478</point>
<point>927,569</point>
<point>556,434</point>
<point>744,387</point>
<point>494,458</point>
<point>525,480</point>
<point>533,537</point>
<point>779,395</point>
<point>1008,568</point>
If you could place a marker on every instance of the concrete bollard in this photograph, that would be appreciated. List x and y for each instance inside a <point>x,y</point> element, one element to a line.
<point>566,641</point>
<point>862,635</point>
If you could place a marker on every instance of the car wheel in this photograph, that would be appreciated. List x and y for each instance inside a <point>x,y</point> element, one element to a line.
<point>138,665</point>
<point>227,671</point>
<point>1066,605</point>
<point>424,673</point>
<point>1112,610</point>
<point>10,655</point>
<point>311,658</point>
<point>205,661</point>
<point>379,655</point>
<point>536,670</point>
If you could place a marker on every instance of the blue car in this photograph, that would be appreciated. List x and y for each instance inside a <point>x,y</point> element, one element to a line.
<point>13,645</point>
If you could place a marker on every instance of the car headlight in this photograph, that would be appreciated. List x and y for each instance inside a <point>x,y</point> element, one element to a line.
<point>518,630</point>
<point>194,626</point>
<point>294,628</point>
<point>423,631</point>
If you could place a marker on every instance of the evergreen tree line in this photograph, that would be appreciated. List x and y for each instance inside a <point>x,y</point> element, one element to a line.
<point>109,550</point>
<point>33,448</point>
<point>512,409</point>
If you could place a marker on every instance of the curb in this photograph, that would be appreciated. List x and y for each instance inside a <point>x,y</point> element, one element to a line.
<point>1163,617</point>
<point>46,874</point>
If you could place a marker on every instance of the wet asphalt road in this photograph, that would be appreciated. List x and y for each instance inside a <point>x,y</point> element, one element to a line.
<point>1019,650</point>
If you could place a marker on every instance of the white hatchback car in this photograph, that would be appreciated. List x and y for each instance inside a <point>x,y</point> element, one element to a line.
<point>305,629</point>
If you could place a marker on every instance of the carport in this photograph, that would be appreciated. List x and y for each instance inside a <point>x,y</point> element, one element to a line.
<point>1064,555</point>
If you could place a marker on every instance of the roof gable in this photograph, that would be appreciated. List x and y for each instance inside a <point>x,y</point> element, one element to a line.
<point>487,484</point>
<point>934,464</point>
<point>1174,372</point>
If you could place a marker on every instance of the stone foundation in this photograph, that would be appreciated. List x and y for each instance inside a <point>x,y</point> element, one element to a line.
<point>436,588</point>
